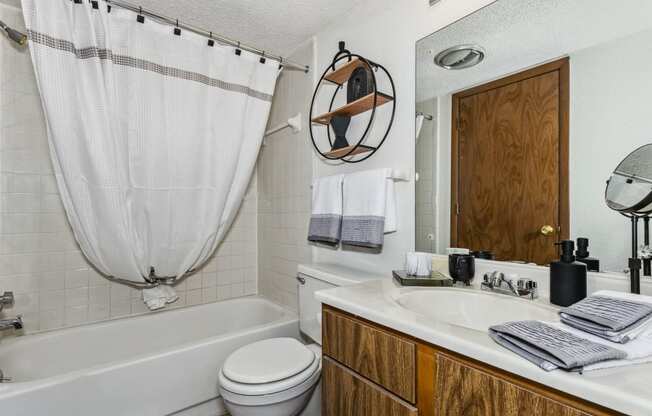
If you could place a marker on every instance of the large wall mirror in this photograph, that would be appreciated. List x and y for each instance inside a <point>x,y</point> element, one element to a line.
<point>524,109</point>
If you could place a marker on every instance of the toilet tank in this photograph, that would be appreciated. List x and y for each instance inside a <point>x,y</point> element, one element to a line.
<point>315,277</point>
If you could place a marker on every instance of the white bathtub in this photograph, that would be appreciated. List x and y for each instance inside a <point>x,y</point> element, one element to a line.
<point>155,364</point>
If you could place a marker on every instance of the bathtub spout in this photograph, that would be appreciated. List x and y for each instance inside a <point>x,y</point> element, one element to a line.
<point>15,323</point>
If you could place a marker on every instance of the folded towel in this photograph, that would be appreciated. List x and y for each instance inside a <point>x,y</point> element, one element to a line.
<point>159,296</point>
<point>369,209</point>
<point>610,315</point>
<point>550,348</point>
<point>326,218</point>
<point>638,351</point>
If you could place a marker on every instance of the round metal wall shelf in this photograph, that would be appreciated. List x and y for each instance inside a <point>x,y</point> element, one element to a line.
<point>337,74</point>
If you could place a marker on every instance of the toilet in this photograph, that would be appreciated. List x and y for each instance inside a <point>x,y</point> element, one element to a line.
<point>281,376</point>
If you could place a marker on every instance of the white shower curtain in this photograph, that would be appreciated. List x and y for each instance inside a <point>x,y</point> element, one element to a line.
<point>153,136</point>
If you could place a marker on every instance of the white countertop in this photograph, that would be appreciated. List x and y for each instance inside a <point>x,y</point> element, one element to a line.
<point>625,389</point>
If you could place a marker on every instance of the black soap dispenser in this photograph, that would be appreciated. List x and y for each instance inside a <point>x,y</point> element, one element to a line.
<point>567,277</point>
<point>582,255</point>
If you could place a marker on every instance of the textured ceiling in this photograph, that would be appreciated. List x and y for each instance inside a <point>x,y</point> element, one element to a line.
<point>278,26</point>
<point>517,34</point>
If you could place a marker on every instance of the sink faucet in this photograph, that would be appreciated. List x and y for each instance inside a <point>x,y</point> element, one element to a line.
<point>497,282</point>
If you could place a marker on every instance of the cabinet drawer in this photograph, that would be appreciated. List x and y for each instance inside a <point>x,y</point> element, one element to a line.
<point>380,356</point>
<point>344,393</point>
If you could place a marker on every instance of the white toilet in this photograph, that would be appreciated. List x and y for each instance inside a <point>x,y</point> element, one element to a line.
<point>281,376</point>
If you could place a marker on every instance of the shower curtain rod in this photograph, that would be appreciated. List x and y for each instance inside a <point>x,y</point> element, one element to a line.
<point>208,34</point>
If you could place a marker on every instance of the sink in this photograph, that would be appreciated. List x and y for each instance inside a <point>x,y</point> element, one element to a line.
<point>473,309</point>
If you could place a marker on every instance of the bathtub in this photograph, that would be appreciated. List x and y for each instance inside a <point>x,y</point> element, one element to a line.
<point>159,364</point>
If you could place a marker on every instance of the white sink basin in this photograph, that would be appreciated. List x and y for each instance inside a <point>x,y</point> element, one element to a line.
<point>474,309</point>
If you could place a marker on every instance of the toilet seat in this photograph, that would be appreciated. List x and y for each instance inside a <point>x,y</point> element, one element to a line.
<point>270,366</point>
<point>268,361</point>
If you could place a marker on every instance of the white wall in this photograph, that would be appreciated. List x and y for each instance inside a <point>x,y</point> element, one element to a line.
<point>284,175</point>
<point>611,86</point>
<point>386,32</point>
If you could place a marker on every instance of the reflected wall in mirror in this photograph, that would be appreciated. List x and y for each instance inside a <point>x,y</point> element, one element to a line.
<point>521,142</point>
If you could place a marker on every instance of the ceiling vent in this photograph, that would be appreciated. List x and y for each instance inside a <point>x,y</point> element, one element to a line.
<point>460,57</point>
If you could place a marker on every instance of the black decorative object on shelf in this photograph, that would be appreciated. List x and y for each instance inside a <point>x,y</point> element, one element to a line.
<point>357,76</point>
<point>340,125</point>
<point>360,84</point>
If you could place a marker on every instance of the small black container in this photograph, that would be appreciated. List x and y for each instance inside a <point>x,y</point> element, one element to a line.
<point>567,277</point>
<point>582,255</point>
<point>461,267</point>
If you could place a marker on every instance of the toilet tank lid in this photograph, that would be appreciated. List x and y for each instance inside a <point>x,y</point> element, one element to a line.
<point>268,361</point>
<point>338,275</point>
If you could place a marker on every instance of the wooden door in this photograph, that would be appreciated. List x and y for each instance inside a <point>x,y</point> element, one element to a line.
<point>510,165</point>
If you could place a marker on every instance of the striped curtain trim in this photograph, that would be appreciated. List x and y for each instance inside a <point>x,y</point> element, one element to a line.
<point>128,61</point>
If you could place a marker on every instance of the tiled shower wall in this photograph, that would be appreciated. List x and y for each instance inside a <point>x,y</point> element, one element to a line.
<point>284,177</point>
<point>39,260</point>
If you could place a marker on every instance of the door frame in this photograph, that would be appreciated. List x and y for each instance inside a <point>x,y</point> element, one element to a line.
<point>563,67</point>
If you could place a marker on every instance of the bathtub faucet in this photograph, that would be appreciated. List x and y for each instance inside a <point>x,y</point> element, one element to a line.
<point>7,300</point>
<point>15,323</point>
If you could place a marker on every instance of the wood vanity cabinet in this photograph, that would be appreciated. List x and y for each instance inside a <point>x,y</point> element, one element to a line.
<point>375,371</point>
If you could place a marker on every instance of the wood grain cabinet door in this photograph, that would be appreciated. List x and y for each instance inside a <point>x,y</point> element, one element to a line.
<point>462,390</point>
<point>382,357</point>
<point>344,393</point>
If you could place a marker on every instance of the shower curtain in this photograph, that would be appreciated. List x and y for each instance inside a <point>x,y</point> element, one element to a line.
<point>153,135</point>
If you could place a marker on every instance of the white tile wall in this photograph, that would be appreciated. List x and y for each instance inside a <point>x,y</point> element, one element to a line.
<point>426,192</point>
<point>39,259</point>
<point>284,177</point>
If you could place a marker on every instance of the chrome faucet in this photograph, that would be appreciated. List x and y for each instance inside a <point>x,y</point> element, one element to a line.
<point>13,323</point>
<point>7,300</point>
<point>497,282</point>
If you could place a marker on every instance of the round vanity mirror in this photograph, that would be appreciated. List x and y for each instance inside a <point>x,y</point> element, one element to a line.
<point>629,190</point>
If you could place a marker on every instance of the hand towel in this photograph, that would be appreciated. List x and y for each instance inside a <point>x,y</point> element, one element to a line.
<point>638,351</point>
<point>550,347</point>
<point>369,209</point>
<point>159,296</point>
<point>615,316</point>
<point>326,218</point>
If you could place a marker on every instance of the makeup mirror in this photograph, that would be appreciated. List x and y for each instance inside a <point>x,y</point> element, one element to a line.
<point>630,187</point>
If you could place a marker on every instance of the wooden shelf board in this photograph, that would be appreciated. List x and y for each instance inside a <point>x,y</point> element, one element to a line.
<point>344,150</point>
<point>343,73</point>
<point>359,106</point>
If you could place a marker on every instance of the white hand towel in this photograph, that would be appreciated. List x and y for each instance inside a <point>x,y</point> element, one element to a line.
<point>326,218</point>
<point>159,296</point>
<point>369,208</point>
<point>638,350</point>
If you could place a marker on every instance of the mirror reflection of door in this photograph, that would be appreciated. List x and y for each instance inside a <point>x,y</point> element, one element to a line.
<point>510,165</point>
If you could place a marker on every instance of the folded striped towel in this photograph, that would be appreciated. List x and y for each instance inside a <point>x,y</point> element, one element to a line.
<point>551,348</point>
<point>610,315</point>
<point>326,218</point>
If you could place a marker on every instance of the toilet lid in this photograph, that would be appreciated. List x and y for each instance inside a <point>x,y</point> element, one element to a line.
<point>268,361</point>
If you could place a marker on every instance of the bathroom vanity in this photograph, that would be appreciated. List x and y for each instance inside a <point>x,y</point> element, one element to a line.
<point>382,356</point>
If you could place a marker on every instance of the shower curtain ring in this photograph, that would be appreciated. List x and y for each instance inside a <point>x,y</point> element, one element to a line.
<point>177,31</point>
<point>237,50</point>
<point>262,58</point>
<point>211,42</point>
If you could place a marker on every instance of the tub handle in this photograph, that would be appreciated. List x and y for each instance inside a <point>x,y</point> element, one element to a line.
<point>301,280</point>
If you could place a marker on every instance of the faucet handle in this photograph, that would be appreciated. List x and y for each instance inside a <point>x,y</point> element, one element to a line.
<point>7,300</point>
